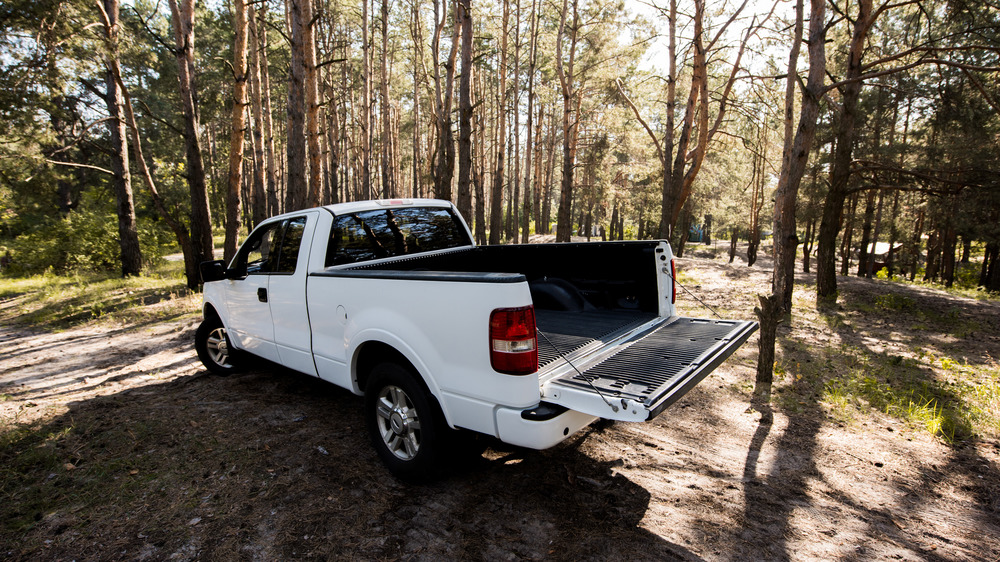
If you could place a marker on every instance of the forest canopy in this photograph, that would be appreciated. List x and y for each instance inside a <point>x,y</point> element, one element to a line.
<point>131,130</point>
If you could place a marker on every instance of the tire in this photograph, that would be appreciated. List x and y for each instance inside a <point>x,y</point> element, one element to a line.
<point>214,348</point>
<point>404,423</point>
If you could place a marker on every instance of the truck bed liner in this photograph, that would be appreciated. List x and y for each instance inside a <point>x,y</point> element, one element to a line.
<point>659,367</point>
<point>564,332</point>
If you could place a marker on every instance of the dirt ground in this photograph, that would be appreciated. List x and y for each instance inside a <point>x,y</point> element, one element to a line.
<point>148,457</point>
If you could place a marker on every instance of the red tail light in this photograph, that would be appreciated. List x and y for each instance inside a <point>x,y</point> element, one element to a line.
<point>513,342</point>
<point>673,283</point>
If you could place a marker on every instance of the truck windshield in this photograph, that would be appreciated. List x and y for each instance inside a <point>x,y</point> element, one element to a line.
<point>371,235</point>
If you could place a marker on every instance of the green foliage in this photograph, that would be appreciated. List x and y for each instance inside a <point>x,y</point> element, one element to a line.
<point>963,403</point>
<point>86,240</point>
<point>893,301</point>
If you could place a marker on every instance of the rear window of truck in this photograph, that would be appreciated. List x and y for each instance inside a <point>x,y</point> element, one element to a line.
<point>386,233</point>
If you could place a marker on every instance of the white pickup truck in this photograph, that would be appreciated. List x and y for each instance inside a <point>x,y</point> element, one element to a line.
<point>392,300</point>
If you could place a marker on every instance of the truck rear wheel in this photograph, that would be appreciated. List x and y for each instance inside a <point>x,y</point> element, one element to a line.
<point>214,349</point>
<point>403,422</point>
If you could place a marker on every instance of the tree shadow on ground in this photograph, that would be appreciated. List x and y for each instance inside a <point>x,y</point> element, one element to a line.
<point>276,465</point>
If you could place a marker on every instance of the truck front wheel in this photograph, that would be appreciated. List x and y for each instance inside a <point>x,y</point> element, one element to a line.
<point>402,421</point>
<point>214,349</point>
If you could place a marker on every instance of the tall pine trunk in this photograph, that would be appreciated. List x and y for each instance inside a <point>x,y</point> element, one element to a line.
<point>128,233</point>
<point>465,113</point>
<point>236,131</point>
<point>182,16</point>
<point>833,208</point>
<point>496,196</point>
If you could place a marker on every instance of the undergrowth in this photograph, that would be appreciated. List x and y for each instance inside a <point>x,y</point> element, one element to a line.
<point>940,395</point>
<point>48,301</point>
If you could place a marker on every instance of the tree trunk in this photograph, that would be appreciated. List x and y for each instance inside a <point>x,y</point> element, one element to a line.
<point>990,277</point>
<point>549,173</point>
<point>295,186</point>
<point>465,113</point>
<point>847,242</point>
<point>866,232</point>
<point>915,245</point>
<point>870,266</point>
<point>311,87</point>
<point>445,154</point>
<point>530,190</point>
<point>260,169</point>
<point>833,208</point>
<point>173,222</point>
<point>366,106</point>
<point>416,62</point>
<point>796,152</point>
<point>236,131</point>
<point>271,177</point>
<point>570,123</point>
<point>890,263</point>
<point>807,245</point>
<point>388,175</point>
<point>667,193</point>
<point>769,315</point>
<point>537,189</point>
<point>733,241</point>
<point>182,16</point>
<point>128,233</point>
<point>496,196</point>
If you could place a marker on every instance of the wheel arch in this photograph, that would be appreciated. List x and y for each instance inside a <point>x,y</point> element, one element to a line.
<point>209,312</point>
<point>372,352</point>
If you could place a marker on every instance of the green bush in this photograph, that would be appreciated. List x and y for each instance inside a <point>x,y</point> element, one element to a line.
<point>86,240</point>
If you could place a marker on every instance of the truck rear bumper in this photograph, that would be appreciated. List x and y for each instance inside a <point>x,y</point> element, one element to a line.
<point>542,433</point>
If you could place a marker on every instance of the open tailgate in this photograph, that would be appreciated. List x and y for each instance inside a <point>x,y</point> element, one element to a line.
<point>636,378</point>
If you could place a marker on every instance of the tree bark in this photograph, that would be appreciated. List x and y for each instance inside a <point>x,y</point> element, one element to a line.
<point>530,191</point>
<point>182,15</point>
<point>388,175</point>
<point>173,222</point>
<point>311,91</point>
<point>769,315</point>
<point>833,208</point>
<point>496,196</point>
<point>260,169</point>
<point>465,113</point>
<point>296,186</point>
<point>128,232</point>
<point>795,156</point>
<point>271,168</point>
<point>236,131</point>
<point>570,121</point>
<point>866,232</point>
<point>444,170</point>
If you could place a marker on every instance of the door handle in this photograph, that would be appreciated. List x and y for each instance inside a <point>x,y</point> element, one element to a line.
<point>262,294</point>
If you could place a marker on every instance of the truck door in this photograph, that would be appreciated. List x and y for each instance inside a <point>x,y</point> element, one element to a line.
<point>287,295</point>
<point>250,323</point>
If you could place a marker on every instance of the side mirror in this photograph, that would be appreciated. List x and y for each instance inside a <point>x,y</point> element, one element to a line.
<point>213,271</point>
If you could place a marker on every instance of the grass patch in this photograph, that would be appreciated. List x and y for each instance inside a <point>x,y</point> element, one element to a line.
<point>893,302</point>
<point>953,407</point>
<point>49,301</point>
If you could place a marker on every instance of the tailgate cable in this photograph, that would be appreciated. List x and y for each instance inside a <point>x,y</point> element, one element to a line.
<point>582,376</point>
<point>695,297</point>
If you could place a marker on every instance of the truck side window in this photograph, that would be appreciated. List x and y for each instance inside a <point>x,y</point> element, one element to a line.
<point>260,251</point>
<point>290,244</point>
